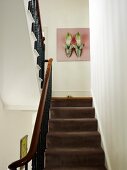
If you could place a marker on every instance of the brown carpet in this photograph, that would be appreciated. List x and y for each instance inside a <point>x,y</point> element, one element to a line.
<point>73,142</point>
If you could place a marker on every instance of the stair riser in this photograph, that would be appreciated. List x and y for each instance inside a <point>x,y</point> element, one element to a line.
<point>72,103</point>
<point>73,126</point>
<point>79,168</point>
<point>77,141</point>
<point>70,160</point>
<point>71,113</point>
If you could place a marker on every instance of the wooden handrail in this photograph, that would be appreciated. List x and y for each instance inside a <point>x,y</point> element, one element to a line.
<point>37,127</point>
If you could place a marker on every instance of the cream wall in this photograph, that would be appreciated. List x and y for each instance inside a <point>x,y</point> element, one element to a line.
<point>108,23</point>
<point>13,126</point>
<point>69,78</point>
<point>18,85</point>
<point>1,52</point>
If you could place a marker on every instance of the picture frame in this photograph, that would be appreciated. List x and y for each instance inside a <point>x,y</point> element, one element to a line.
<point>73,44</point>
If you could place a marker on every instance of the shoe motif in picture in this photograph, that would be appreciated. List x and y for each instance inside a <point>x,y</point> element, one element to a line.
<point>68,45</point>
<point>78,45</point>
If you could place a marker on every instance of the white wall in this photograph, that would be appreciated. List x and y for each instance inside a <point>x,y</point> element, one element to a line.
<point>19,86</point>
<point>13,126</point>
<point>69,78</point>
<point>1,106</point>
<point>1,50</point>
<point>18,83</point>
<point>108,23</point>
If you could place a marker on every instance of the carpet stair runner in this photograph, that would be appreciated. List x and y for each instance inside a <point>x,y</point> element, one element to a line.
<point>73,142</point>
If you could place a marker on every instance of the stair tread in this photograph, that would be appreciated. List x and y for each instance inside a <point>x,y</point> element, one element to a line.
<point>71,98</point>
<point>82,150</point>
<point>71,139</point>
<point>78,168</point>
<point>72,108</point>
<point>72,119</point>
<point>71,112</point>
<point>89,133</point>
<point>74,157</point>
<point>81,124</point>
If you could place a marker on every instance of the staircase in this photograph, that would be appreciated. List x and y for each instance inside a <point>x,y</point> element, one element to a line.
<point>73,142</point>
<point>39,45</point>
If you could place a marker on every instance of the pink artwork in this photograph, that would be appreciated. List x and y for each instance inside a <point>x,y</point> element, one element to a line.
<point>73,44</point>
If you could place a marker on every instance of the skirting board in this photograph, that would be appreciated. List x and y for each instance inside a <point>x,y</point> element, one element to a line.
<point>103,143</point>
<point>71,93</point>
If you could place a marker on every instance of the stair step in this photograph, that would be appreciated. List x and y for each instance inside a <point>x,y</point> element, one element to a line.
<point>73,139</point>
<point>72,112</point>
<point>73,142</point>
<point>78,168</point>
<point>71,102</point>
<point>86,124</point>
<point>74,157</point>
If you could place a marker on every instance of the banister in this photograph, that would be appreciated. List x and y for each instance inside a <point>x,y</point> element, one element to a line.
<point>39,16</point>
<point>37,127</point>
<point>39,45</point>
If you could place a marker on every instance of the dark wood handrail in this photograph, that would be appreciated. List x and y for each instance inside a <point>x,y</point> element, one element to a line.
<point>37,127</point>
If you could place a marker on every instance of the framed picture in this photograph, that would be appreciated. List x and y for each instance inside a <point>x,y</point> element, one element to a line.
<point>23,147</point>
<point>73,44</point>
